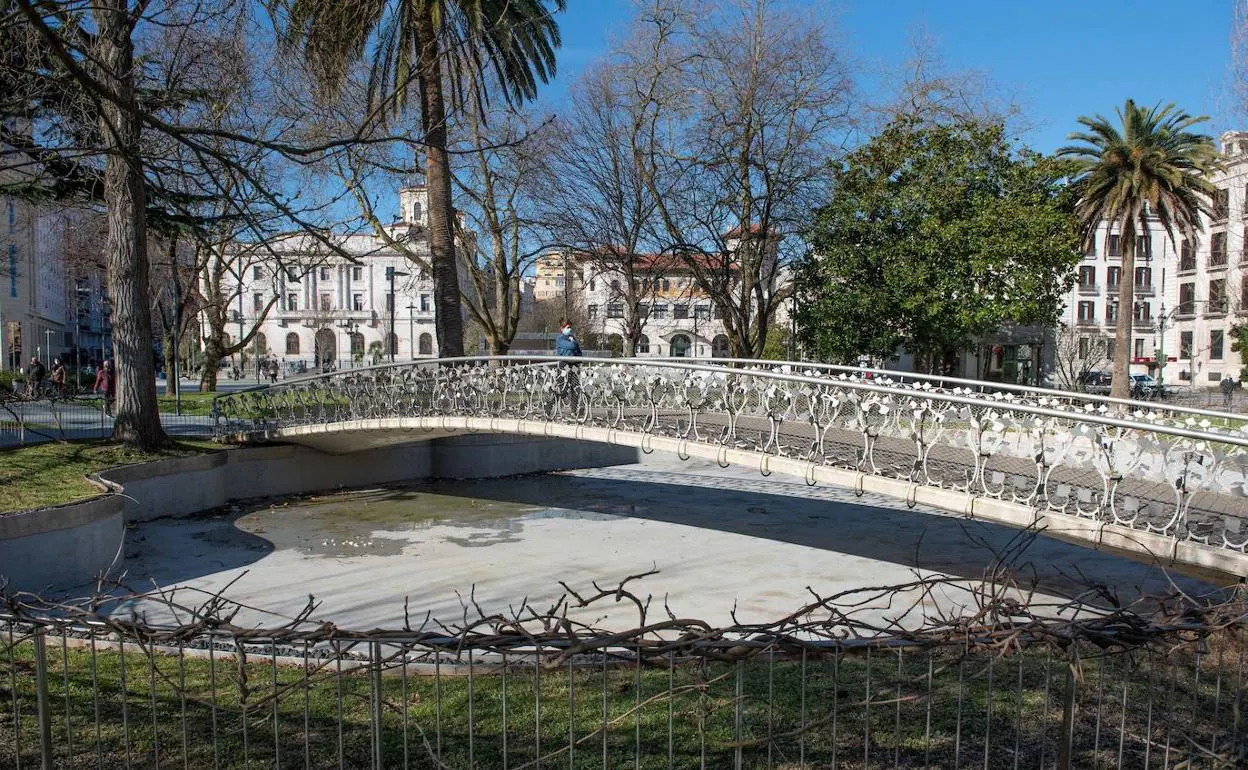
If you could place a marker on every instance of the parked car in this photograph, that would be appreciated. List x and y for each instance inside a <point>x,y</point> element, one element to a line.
<point>1097,383</point>
<point>1146,386</point>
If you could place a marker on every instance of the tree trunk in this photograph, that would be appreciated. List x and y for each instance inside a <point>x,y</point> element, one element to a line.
<point>138,416</point>
<point>211,366</point>
<point>448,323</point>
<point>1120,381</point>
<point>171,354</point>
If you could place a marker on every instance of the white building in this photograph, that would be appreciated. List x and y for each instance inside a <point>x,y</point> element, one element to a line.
<point>332,311</point>
<point>677,318</point>
<point>1187,295</point>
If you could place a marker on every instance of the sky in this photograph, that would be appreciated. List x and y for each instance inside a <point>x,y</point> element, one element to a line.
<point>1058,58</point>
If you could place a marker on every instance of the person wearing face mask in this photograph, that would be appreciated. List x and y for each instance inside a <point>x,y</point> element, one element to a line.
<point>565,343</point>
<point>568,384</point>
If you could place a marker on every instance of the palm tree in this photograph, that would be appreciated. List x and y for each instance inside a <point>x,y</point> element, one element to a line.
<point>1152,167</point>
<point>426,43</point>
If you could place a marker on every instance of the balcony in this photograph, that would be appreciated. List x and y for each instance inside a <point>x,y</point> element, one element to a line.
<point>1142,324</point>
<point>1215,311</point>
<point>1187,265</point>
<point>1086,289</point>
<point>1085,322</point>
<point>1145,290</point>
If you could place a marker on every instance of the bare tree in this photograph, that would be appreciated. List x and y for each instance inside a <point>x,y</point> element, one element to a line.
<point>1078,353</point>
<point>736,138</point>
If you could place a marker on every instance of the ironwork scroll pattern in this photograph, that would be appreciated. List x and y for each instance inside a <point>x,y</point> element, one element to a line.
<point>1043,452</point>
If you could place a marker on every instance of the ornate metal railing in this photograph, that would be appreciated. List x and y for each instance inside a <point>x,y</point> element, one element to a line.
<point>1156,470</point>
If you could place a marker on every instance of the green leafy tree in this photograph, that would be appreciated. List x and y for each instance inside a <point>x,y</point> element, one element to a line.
<point>935,234</point>
<point>431,44</point>
<point>1150,166</point>
<point>1239,344</point>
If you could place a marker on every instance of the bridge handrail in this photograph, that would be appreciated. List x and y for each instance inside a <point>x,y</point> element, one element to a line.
<point>1073,395</point>
<point>987,400</point>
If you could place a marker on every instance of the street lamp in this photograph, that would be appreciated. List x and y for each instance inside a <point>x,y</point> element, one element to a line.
<point>349,326</point>
<point>47,344</point>
<point>391,342</point>
<point>411,335</point>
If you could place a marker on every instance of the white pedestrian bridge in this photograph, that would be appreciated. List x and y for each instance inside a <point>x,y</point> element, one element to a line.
<point>1143,477</point>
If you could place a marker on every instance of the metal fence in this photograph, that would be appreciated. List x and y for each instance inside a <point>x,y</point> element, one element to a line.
<point>81,695</point>
<point>30,420</point>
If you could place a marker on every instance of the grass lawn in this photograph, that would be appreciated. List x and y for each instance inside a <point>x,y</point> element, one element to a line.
<point>193,403</point>
<point>857,711</point>
<point>53,473</point>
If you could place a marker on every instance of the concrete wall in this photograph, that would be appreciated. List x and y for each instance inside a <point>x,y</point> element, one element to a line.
<point>69,545</point>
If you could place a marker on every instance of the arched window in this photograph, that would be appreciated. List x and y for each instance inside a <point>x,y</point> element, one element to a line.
<point>292,344</point>
<point>394,344</point>
<point>416,212</point>
<point>326,347</point>
<point>680,346</point>
<point>260,344</point>
<point>719,346</point>
<point>643,345</point>
<point>426,344</point>
<point>357,345</point>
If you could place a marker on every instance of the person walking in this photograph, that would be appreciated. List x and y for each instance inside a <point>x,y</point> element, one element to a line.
<point>568,382</point>
<point>106,385</point>
<point>1228,391</point>
<point>35,374</point>
<point>58,376</point>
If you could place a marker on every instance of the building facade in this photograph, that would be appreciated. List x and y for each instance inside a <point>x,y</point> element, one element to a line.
<point>318,310</point>
<point>1189,292</point>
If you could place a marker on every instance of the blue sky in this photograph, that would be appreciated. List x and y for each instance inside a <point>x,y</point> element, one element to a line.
<point>1058,58</point>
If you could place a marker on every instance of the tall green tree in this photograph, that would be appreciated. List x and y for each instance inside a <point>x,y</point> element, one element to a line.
<point>1150,166</point>
<point>439,47</point>
<point>935,233</point>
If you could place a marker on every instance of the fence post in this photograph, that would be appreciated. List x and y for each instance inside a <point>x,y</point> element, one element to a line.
<point>1066,737</point>
<point>375,655</point>
<point>41,695</point>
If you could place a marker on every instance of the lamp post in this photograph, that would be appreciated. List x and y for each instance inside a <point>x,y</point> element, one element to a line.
<point>349,327</point>
<point>411,334</point>
<point>392,301</point>
<point>47,344</point>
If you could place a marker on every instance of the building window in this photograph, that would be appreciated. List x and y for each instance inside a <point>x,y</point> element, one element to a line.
<point>1110,349</point>
<point>426,344</point>
<point>719,346</point>
<point>292,344</point>
<point>1085,347</point>
<point>1187,299</point>
<point>1214,376</point>
<point>702,312</point>
<point>1143,278</point>
<point>327,302</point>
<point>1087,277</point>
<point>592,284</point>
<point>658,311</point>
<point>1111,312</point>
<point>1243,244</point>
<point>1113,276</point>
<point>292,275</point>
<point>292,302</point>
<point>1216,337</point>
<point>257,301</point>
<point>1217,249</point>
<point>1187,257</point>
<point>1243,294</point>
<point>357,345</point>
<point>393,340</point>
<point>389,302</point>
<point>1115,246</point>
<point>643,344</point>
<point>680,311</point>
<point>424,303</point>
<point>1143,312</point>
<point>559,282</point>
<point>257,273</point>
<point>1144,247</point>
<point>591,311</point>
<point>667,285</point>
<point>324,273</point>
<point>1138,344</point>
<point>1185,344</point>
<point>1221,203</point>
<point>615,310</point>
<point>357,273</point>
<point>416,212</point>
<point>615,286</point>
<point>1217,296</point>
<point>357,301</point>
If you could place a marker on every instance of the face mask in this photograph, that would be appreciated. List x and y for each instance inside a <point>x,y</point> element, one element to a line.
<point>567,330</point>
